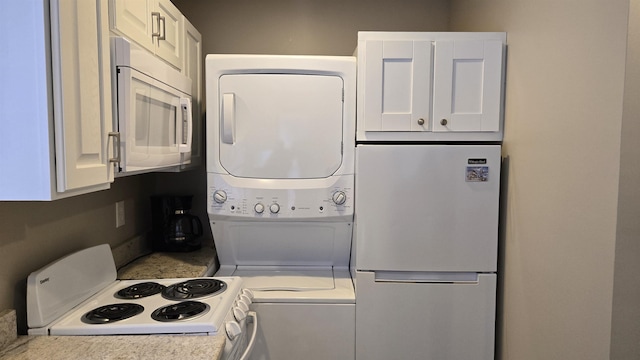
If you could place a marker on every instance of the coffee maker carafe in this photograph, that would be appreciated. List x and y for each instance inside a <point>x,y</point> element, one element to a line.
<point>174,228</point>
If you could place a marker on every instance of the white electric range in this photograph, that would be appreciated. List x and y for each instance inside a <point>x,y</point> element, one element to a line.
<point>79,295</point>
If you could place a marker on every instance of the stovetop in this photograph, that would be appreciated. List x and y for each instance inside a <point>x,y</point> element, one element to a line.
<point>80,295</point>
<point>159,306</point>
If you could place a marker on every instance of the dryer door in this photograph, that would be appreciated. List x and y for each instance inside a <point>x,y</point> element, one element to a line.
<point>281,126</point>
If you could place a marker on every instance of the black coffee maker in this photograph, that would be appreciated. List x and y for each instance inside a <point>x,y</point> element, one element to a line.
<point>174,228</point>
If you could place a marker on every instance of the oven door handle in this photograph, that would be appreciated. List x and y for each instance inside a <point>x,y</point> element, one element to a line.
<point>254,319</point>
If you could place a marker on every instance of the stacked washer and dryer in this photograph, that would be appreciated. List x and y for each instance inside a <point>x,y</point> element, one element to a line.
<point>280,176</point>
<point>402,211</point>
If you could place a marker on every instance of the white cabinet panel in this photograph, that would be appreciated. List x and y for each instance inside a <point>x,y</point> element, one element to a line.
<point>397,90</point>
<point>58,106</point>
<point>157,25</point>
<point>467,85</point>
<point>430,86</point>
<point>82,87</point>
<point>133,18</point>
<point>169,43</point>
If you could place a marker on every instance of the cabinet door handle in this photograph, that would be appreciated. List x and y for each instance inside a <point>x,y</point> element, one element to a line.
<point>164,30</point>
<point>157,23</point>
<point>116,147</point>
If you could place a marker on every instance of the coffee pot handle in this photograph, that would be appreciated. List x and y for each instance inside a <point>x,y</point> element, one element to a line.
<point>197,225</point>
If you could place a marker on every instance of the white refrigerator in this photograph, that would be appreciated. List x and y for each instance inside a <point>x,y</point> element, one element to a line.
<point>426,240</point>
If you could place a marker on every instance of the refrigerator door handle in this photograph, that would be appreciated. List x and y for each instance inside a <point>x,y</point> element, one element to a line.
<point>426,277</point>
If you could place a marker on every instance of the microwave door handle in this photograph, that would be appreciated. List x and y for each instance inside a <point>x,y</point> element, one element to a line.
<point>187,117</point>
<point>228,118</point>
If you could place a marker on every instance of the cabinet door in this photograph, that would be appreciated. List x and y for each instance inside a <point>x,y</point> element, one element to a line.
<point>81,92</point>
<point>169,42</point>
<point>133,19</point>
<point>398,85</point>
<point>467,85</point>
<point>193,69</point>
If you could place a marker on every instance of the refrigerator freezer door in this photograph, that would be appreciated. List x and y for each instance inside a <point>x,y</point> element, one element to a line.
<point>414,320</point>
<point>427,207</point>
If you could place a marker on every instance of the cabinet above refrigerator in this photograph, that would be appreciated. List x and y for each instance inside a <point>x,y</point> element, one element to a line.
<point>430,86</point>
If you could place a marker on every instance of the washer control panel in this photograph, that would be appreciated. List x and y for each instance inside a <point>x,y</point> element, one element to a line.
<point>335,199</point>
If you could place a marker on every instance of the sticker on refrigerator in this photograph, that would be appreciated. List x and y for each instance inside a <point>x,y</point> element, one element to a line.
<point>477,173</point>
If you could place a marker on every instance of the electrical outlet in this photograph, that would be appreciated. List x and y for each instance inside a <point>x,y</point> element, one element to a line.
<point>120,214</point>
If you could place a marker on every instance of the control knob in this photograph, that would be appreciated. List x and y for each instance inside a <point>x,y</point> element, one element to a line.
<point>259,208</point>
<point>274,208</point>
<point>233,329</point>
<point>248,293</point>
<point>241,304</point>
<point>219,196</point>
<point>245,298</point>
<point>339,197</point>
<point>239,314</point>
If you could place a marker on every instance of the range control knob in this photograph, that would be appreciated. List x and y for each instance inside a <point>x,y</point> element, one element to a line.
<point>259,208</point>
<point>339,197</point>
<point>233,329</point>
<point>248,293</point>
<point>241,304</point>
<point>245,298</point>
<point>239,314</point>
<point>219,196</point>
<point>274,208</point>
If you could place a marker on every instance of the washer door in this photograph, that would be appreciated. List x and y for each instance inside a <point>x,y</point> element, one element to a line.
<point>281,126</point>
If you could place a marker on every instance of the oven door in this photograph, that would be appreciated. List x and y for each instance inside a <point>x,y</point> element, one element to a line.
<point>154,121</point>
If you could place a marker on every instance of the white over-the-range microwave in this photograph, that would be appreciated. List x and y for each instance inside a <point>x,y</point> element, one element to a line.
<point>152,107</point>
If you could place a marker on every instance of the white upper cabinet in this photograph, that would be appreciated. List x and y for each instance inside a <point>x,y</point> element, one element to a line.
<point>157,25</point>
<point>56,100</point>
<point>430,86</point>
<point>398,85</point>
<point>467,85</point>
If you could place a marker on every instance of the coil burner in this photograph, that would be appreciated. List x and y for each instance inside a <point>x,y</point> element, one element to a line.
<point>194,288</point>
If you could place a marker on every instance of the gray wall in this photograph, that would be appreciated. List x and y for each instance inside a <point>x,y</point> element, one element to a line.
<point>565,83</point>
<point>305,27</point>
<point>32,234</point>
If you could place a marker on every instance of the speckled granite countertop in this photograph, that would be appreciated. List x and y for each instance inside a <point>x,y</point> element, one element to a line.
<point>114,347</point>
<point>160,347</point>
<point>164,265</point>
